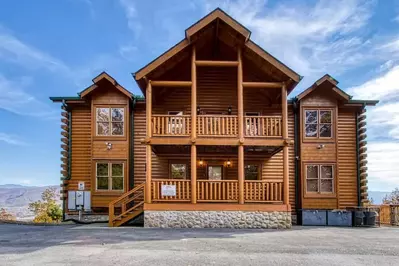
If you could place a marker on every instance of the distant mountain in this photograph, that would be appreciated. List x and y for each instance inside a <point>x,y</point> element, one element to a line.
<point>16,198</point>
<point>377,196</point>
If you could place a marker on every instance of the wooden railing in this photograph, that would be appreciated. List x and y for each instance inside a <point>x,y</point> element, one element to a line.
<point>217,125</point>
<point>263,126</point>
<point>263,191</point>
<point>183,190</point>
<point>171,125</point>
<point>129,203</point>
<point>217,190</point>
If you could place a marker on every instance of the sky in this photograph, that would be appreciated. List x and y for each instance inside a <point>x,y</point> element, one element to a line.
<point>54,48</point>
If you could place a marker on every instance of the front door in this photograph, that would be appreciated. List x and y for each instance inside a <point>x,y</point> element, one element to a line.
<point>215,172</point>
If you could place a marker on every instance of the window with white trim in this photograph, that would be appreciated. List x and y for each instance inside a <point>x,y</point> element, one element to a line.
<point>109,176</point>
<point>318,123</point>
<point>110,121</point>
<point>319,178</point>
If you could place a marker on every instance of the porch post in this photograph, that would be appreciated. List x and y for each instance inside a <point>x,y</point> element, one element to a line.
<point>286,185</point>
<point>193,173</point>
<point>241,174</point>
<point>148,169</point>
<point>193,97</point>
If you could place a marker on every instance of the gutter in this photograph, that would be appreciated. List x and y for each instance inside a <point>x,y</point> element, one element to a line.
<point>296,156</point>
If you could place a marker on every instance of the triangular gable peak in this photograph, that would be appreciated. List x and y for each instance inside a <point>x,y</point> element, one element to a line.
<point>326,83</point>
<point>217,36</point>
<point>107,78</point>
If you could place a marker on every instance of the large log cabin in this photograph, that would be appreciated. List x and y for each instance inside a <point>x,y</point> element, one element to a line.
<point>214,141</point>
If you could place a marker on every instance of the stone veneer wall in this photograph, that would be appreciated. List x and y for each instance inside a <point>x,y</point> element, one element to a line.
<point>217,219</point>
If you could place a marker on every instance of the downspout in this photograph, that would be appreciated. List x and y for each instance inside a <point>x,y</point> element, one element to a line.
<point>131,165</point>
<point>296,155</point>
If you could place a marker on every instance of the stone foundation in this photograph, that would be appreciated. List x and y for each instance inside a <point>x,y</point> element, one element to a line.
<point>89,218</point>
<point>217,219</point>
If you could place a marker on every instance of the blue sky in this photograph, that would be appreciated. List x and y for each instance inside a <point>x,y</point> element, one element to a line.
<point>54,48</point>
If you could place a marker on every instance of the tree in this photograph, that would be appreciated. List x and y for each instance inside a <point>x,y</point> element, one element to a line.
<point>47,210</point>
<point>6,216</point>
<point>392,198</point>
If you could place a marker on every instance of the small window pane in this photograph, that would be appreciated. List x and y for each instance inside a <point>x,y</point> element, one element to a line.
<point>251,172</point>
<point>311,185</point>
<point>326,171</point>
<point>326,185</point>
<point>117,128</point>
<point>102,182</point>
<point>103,129</point>
<point>215,172</point>
<point>311,130</point>
<point>312,171</point>
<point>325,131</point>
<point>102,114</point>
<point>117,183</point>
<point>325,117</point>
<point>178,170</point>
<point>117,114</point>
<point>117,170</point>
<point>311,117</point>
<point>102,169</point>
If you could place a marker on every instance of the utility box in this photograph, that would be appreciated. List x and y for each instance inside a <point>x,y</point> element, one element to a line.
<point>314,217</point>
<point>339,218</point>
<point>78,200</point>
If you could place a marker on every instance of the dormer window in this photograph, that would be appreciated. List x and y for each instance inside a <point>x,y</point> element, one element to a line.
<point>318,124</point>
<point>110,121</point>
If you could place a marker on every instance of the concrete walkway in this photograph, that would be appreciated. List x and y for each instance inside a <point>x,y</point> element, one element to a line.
<point>99,245</point>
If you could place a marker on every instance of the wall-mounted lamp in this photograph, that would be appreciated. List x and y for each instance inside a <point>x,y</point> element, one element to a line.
<point>198,109</point>
<point>228,163</point>
<point>109,145</point>
<point>229,109</point>
<point>201,163</point>
<point>321,146</point>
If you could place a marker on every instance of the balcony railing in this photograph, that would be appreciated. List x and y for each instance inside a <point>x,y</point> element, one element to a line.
<point>258,191</point>
<point>217,125</point>
<point>263,126</point>
<point>171,125</point>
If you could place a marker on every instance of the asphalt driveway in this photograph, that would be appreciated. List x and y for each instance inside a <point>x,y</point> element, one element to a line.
<point>99,245</point>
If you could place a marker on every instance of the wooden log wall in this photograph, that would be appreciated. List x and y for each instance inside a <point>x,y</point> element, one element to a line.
<point>65,158</point>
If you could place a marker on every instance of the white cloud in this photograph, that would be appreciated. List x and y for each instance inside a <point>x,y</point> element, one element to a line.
<point>15,99</point>
<point>11,139</point>
<point>130,9</point>
<point>312,39</point>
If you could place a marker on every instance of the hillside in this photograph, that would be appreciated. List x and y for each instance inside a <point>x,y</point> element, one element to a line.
<point>16,198</point>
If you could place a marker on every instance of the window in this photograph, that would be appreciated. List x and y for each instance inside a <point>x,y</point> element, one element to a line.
<point>178,171</point>
<point>215,172</point>
<point>251,171</point>
<point>110,121</point>
<point>319,178</point>
<point>318,123</point>
<point>109,176</point>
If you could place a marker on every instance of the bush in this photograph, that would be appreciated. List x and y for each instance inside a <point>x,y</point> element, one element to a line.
<point>392,198</point>
<point>6,216</point>
<point>47,210</point>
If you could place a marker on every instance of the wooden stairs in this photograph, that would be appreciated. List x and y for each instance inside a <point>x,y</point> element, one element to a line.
<point>130,205</point>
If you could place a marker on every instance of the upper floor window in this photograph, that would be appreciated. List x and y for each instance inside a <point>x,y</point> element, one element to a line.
<point>110,121</point>
<point>109,176</point>
<point>318,123</point>
<point>319,178</point>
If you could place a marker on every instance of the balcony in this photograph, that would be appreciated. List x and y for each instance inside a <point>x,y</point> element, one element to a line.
<point>216,126</point>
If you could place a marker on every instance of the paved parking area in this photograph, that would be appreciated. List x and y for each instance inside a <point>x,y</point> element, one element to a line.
<point>99,245</point>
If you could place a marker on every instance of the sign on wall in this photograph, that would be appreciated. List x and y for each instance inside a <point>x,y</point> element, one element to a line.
<point>81,185</point>
<point>168,190</point>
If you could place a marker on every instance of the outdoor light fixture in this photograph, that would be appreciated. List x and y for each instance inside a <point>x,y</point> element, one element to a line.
<point>201,163</point>
<point>198,109</point>
<point>229,110</point>
<point>228,163</point>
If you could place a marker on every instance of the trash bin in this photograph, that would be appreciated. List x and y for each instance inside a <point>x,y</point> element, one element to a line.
<point>359,218</point>
<point>370,218</point>
<point>314,217</point>
<point>339,218</point>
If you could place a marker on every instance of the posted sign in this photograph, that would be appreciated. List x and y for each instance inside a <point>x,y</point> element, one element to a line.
<point>168,190</point>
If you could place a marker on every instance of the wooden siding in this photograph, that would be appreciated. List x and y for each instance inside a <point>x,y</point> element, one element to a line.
<point>347,171</point>
<point>139,148</point>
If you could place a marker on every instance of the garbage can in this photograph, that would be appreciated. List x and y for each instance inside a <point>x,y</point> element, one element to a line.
<point>314,217</point>
<point>339,218</point>
<point>359,218</point>
<point>370,218</point>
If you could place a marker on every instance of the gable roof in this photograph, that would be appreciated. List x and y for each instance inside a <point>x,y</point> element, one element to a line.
<point>197,27</point>
<point>333,85</point>
<point>106,76</point>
